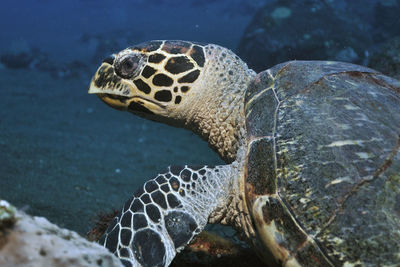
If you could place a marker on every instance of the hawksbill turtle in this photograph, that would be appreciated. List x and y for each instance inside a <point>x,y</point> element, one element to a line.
<point>312,151</point>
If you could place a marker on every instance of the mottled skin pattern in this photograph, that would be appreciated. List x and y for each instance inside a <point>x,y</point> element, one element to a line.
<point>166,80</point>
<point>313,148</point>
<point>160,218</point>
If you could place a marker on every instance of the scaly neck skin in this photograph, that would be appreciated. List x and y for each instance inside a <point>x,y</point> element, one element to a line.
<point>217,112</point>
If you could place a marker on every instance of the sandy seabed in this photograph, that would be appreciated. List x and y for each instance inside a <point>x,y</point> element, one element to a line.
<point>67,156</point>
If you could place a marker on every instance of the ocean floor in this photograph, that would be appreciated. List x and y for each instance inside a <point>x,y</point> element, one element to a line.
<point>67,156</point>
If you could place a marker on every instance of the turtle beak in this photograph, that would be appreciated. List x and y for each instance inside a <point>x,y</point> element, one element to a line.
<point>121,93</point>
<point>110,88</point>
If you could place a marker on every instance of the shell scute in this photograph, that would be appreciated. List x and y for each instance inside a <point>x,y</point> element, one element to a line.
<point>336,128</point>
<point>261,178</point>
<point>260,107</point>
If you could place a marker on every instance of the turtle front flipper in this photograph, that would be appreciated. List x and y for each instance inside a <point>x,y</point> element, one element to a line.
<point>166,213</point>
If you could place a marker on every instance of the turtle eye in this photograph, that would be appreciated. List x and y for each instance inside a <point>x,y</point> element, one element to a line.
<point>128,66</point>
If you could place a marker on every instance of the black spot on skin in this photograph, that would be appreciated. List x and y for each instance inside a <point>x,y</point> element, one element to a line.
<point>112,225</point>
<point>194,176</point>
<point>153,212</point>
<point>177,65</point>
<point>196,167</point>
<point>160,179</point>
<point>178,99</point>
<point>174,183</point>
<point>156,58</point>
<point>139,192</point>
<point>125,263</point>
<point>176,169</point>
<point>150,186</point>
<point>148,72</point>
<point>190,77</point>
<point>126,219</point>
<point>106,76</point>
<point>145,199</point>
<point>198,55</point>
<point>184,89</point>
<point>112,239</point>
<point>165,188</point>
<point>163,96</point>
<point>175,89</point>
<point>109,59</point>
<point>168,175</point>
<point>185,175</point>
<point>202,172</point>
<point>126,237</point>
<point>176,47</point>
<point>182,192</point>
<point>162,80</point>
<point>193,185</point>
<point>135,107</point>
<point>230,72</point>
<point>147,46</point>
<point>128,204</point>
<point>137,206</point>
<point>180,227</point>
<point>124,252</point>
<point>139,221</point>
<point>142,86</point>
<point>148,248</point>
<point>173,202</point>
<point>159,198</point>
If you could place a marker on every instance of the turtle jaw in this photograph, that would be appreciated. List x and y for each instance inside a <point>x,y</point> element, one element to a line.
<point>121,94</point>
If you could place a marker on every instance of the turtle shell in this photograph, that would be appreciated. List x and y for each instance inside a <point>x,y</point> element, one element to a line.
<point>323,163</point>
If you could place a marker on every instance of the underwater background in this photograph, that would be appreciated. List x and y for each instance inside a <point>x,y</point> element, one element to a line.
<point>67,156</point>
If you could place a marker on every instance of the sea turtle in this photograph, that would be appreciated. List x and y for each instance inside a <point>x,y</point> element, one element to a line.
<point>312,151</point>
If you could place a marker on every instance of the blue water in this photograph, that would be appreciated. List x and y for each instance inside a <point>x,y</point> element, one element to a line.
<point>63,153</point>
<point>57,26</point>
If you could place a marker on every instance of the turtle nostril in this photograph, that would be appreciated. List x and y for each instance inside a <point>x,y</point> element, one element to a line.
<point>109,59</point>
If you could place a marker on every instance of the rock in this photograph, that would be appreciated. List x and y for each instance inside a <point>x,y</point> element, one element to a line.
<point>304,30</point>
<point>207,249</point>
<point>7,215</point>
<point>16,61</point>
<point>34,241</point>
<point>387,58</point>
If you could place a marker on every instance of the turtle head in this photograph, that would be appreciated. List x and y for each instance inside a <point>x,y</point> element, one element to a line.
<point>199,87</point>
<point>152,79</point>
